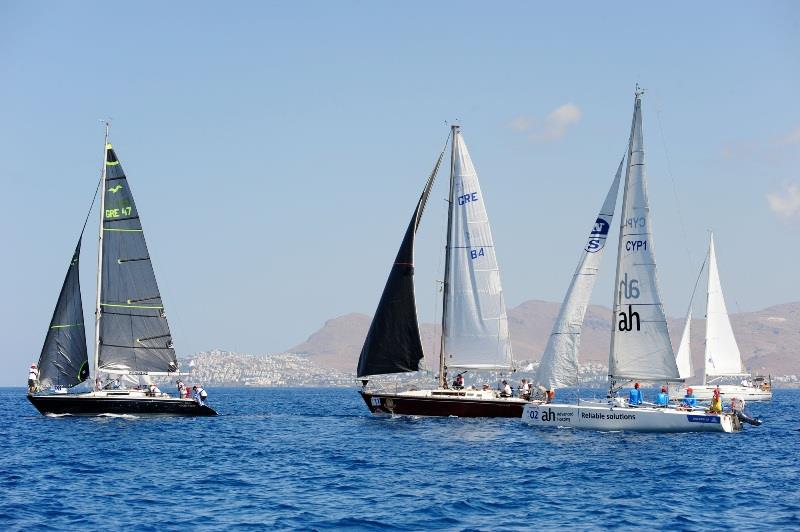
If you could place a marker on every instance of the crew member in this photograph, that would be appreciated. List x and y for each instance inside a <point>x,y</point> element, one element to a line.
<point>550,395</point>
<point>154,391</point>
<point>716,402</point>
<point>506,390</point>
<point>458,382</point>
<point>182,392</point>
<point>663,397</point>
<point>689,400</point>
<point>33,378</point>
<point>525,389</point>
<point>635,396</point>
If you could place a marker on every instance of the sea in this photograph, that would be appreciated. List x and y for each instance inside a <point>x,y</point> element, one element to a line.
<point>317,459</point>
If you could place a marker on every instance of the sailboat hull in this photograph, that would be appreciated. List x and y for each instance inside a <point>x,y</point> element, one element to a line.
<point>598,416</point>
<point>96,403</point>
<point>444,403</point>
<point>726,391</point>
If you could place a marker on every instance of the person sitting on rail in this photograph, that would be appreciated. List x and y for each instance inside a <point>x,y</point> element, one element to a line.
<point>689,400</point>
<point>635,397</point>
<point>663,397</point>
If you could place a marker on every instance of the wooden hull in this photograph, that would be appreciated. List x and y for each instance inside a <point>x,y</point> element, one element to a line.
<point>90,404</point>
<point>420,404</point>
<point>595,416</point>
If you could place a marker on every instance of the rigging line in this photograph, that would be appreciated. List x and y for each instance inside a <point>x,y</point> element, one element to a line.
<point>696,282</point>
<point>672,177</point>
<point>439,286</point>
<point>94,199</point>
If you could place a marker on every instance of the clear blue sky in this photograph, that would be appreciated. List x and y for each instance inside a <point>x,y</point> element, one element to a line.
<point>276,150</point>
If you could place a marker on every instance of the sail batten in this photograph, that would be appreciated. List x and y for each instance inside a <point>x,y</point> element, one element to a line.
<point>559,364</point>
<point>64,357</point>
<point>475,322</point>
<point>640,344</point>
<point>130,301</point>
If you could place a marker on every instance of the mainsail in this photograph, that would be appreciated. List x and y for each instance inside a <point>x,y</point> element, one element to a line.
<point>722,352</point>
<point>640,344</point>
<point>684,357</point>
<point>64,360</point>
<point>393,343</point>
<point>134,334</point>
<point>559,365</point>
<point>475,323</point>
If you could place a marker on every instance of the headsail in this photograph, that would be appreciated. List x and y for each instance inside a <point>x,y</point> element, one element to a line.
<point>559,365</point>
<point>475,322</point>
<point>64,360</point>
<point>393,343</point>
<point>134,334</point>
<point>722,352</point>
<point>640,344</point>
<point>684,357</point>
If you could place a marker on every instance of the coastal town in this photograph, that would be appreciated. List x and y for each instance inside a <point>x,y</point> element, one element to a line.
<point>225,368</point>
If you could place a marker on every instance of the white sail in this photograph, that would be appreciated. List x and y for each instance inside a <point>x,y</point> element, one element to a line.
<point>475,321</point>
<point>684,356</point>
<point>559,365</point>
<point>722,352</point>
<point>640,344</point>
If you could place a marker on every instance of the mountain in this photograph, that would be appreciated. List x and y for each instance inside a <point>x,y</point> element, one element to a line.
<point>769,339</point>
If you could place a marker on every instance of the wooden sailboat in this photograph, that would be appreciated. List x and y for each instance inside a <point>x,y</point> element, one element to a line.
<point>132,338</point>
<point>723,360</point>
<point>474,322</point>
<point>641,349</point>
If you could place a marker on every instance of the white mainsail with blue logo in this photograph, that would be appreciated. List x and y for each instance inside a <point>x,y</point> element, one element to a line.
<point>641,348</point>
<point>475,322</point>
<point>559,365</point>
<point>722,352</point>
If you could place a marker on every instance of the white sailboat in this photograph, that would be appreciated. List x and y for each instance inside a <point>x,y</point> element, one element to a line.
<point>640,344</point>
<point>474,322</point>
<point>723,360</point>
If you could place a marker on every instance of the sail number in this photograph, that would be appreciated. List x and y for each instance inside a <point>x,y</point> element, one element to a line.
<point>116,213</point>
<point>475,253</point>
<point>534,414</point>
<point>466,198</point>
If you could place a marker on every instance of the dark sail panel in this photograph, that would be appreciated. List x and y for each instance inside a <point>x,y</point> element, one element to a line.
<point>64,360</point>
<point>134,334</point>
<point>393,343</point>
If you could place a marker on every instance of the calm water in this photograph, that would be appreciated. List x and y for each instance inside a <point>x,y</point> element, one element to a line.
<point>317,459</point>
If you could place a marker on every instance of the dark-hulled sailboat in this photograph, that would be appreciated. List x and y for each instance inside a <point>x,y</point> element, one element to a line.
<point>474,322</point>
<point>132,338</point>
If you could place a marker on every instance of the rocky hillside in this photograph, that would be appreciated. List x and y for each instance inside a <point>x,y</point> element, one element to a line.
<point>769,339</point>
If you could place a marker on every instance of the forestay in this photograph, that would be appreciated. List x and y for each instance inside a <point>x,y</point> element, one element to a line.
<point>722,352</point>
<point>475,322</point>
<point>64,360</point>
<point>559,364</point>
<point>134,334</point>
<point>640,343</point>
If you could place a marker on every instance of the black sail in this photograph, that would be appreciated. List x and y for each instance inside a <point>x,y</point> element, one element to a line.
<point>393,343</point>
<point>134,334</point>
<point>64,360</point>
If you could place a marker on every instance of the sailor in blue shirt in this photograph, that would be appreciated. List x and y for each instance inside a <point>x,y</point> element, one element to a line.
<point>635,396</point>
<point>689,399</point>
<point>663,397</point>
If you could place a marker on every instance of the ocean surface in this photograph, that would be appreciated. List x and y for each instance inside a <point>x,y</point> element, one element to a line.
<point>317,459</point>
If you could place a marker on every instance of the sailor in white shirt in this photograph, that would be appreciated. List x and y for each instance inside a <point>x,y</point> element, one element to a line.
<point>33,378</point>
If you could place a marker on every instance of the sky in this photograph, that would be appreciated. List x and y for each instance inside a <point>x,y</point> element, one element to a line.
<point>276,150</point>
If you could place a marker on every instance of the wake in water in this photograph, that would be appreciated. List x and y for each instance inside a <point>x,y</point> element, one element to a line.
<point>120,416</point>
<point>58,415</point>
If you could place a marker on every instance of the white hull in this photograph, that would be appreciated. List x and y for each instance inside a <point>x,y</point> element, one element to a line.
<point>602,416</point>
<point>726,391</point>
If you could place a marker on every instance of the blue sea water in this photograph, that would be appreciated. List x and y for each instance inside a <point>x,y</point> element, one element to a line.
<point>316,459</point>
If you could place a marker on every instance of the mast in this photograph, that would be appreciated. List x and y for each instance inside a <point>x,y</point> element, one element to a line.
<point>454,130</point>
<point>622,221</point>
<point>97,308</point>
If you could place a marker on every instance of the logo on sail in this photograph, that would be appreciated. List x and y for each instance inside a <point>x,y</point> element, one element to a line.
<point>597,238</point>
<point>115,189</point>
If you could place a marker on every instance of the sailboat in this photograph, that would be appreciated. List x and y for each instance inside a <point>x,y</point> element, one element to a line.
<point>132,340</point>
<point>474,323</point>
<point>723,360</point>
<point>640,349</point>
